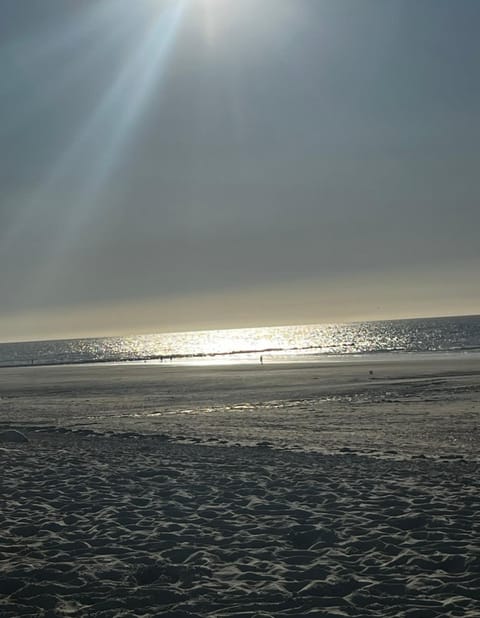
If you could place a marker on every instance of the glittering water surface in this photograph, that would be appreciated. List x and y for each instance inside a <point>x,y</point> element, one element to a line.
<point>459,334</point>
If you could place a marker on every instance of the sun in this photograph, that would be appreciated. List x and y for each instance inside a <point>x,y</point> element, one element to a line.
<point>210,9</point>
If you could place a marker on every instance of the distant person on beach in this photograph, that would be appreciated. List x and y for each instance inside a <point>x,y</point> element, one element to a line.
<point>261,360</point>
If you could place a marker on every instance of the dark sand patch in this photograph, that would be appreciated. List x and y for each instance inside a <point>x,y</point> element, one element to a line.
<point>105,526</point>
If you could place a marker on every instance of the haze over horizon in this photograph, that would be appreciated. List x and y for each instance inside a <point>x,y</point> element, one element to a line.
<point>184,164</point>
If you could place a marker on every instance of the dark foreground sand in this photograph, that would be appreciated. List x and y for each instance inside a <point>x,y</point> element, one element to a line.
<point>98,526</point>
<point>105,524</point>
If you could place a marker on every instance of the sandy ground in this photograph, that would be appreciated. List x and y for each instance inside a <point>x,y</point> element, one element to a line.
<point>423,407</point>
<point>241,491</point>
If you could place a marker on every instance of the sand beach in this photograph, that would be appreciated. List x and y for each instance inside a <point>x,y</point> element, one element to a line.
<point>240,309</point>
<point>322,489</point>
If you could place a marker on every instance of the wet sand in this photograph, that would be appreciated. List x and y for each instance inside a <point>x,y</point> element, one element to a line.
<point>416,407</point>
<point>241,491</point>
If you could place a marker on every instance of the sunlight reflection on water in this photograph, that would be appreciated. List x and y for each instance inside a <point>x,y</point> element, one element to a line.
<point>278,343</point>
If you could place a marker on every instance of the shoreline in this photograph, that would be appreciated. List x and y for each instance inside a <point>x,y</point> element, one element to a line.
<point>242,491</point>
<point>269,356</point>
<point>420,407</point>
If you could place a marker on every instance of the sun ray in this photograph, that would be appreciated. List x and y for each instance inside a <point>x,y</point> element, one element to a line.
<point>122,102</point>
<point>101,142</point>
<point>54,85</point>
<point>36,201</point>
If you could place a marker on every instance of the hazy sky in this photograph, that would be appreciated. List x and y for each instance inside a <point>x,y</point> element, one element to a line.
<point>171,164</point>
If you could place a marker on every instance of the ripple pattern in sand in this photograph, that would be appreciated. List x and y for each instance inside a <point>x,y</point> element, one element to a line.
<point>108,527</point>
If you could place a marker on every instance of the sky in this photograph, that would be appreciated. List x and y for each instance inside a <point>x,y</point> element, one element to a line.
<point>186,164</point>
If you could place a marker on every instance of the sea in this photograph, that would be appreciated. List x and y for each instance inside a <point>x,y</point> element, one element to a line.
<point>307,343</point>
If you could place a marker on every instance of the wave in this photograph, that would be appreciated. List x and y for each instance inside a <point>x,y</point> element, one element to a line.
<point>292,353</point>
<point>439,335</point>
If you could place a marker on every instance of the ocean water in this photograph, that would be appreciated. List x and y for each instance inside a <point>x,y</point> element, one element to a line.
<point>275,344</point>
